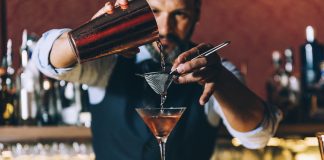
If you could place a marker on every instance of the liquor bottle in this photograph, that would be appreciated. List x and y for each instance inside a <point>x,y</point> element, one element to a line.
<point>75,102</point>
<point>291,92</point>
<point>283,86</point>
<point>47,113</point>
<point>57,110</point>
<point>8,100</point>
<point>274,83</point>
<point>71,102</point>
<point>85,115</point>
<point>293,81</point>
<point>311,56</point>
<point>317,97</point>
<point>26,87</point>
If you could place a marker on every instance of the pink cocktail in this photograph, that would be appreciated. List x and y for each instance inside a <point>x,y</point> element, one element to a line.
<point>161,122</point>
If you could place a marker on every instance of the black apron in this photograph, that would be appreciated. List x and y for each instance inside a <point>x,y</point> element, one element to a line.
<point>120,134</point>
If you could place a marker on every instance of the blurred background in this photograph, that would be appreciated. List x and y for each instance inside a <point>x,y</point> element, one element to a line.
<point>256,28</point>
<point>269,46</point>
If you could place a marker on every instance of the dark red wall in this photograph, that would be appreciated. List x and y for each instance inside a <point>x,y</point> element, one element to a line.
<point>256,28</point>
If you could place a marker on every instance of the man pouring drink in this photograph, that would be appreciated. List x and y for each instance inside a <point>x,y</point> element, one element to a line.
<point>209,87</point>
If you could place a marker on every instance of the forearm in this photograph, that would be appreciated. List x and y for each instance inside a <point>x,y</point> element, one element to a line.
<point>62,55</point>
<point>243,109</point>
<point>94,73</point>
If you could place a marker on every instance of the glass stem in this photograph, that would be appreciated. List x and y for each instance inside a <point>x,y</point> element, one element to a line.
<point>162,142</point>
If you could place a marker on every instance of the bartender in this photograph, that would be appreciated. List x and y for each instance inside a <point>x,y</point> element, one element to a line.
<point>209,87</point>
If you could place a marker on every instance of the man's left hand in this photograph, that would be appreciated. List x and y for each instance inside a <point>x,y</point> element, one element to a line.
<point>203,70</point>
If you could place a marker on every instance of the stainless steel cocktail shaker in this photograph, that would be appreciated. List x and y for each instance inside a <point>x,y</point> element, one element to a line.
<point>114,33</point>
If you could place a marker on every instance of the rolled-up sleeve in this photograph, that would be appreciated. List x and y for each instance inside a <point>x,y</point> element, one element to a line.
<point>257,138</point>
<point>42,50</point>
<point>94,73</point>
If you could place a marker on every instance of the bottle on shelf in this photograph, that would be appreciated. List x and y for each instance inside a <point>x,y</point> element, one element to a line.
<point>291,92</point>
<point>283,86</point>
<point>84,115</point>
<point>293,82</point>
<point>75,102</point>
<point>48,112</point>
<point>312,54</point>
<point>8,89</point>
<point>274,83</point>
<point>26,87</point>
<point>72,102</point>
<point>317,96</point>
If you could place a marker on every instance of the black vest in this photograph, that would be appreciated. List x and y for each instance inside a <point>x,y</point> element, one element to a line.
<point>120,134</point>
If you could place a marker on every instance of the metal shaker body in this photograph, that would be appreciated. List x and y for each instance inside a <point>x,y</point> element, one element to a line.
<point>114,33</point>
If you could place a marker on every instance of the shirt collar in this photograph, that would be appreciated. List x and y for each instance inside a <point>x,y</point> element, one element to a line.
<point>143,55</point>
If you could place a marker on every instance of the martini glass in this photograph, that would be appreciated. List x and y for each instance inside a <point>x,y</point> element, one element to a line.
<point>320,138</point>
<point>161,122</point>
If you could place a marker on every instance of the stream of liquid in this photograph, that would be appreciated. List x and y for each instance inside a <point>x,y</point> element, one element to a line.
<point>161,50</point>
<point>164,94</point>
<point>163,98</point>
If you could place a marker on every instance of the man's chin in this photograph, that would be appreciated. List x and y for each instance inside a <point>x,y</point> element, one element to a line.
<point>169,47</point>
<point>170,53</point>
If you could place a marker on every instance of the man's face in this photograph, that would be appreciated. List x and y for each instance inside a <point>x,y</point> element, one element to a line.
<point>175,19</point>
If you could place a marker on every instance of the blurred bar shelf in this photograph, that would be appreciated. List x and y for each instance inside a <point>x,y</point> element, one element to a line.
<point>288,130</point>
<point>74,133</point>
<point>302,130</point>
<point>44,134</point>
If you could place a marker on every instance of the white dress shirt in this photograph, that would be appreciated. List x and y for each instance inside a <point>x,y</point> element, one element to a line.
<point>97,73</point>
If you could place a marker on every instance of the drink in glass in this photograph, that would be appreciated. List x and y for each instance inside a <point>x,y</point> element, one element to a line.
<point>320,137</point>
<point>161,122</point>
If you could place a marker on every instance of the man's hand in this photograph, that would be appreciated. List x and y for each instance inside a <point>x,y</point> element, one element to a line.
<point>203,70</point>
<point>243,109</point>
<point>109,9</point>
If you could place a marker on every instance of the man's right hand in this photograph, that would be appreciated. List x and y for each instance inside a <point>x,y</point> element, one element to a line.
<point>62,55</point>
